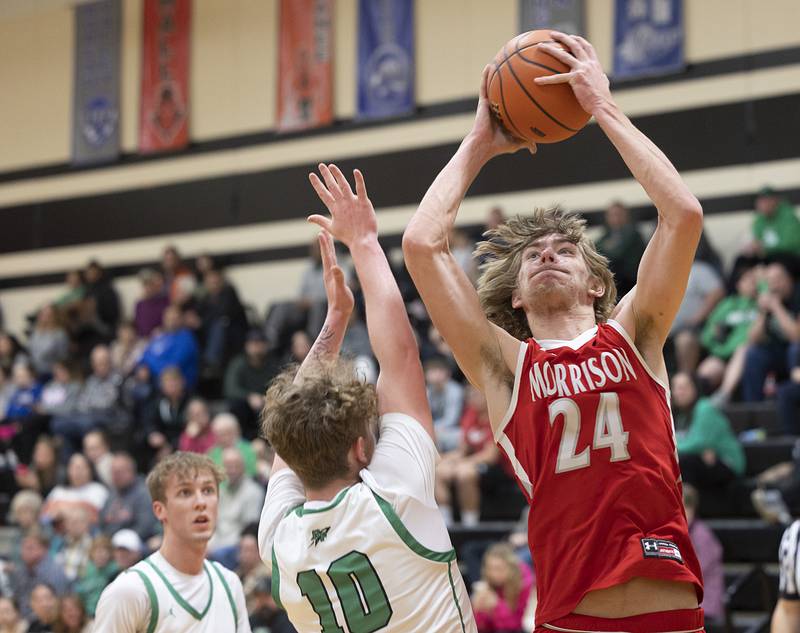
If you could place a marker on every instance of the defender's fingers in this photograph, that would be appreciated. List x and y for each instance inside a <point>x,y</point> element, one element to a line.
<point>561,78</point>
<point>340,179</point>
<point>330,181</point>
<point>321,189</point>
<point>571,43</point>
<point>321,221</point>
<point>559,53</point>
<point>484,89</point>
<point>361,186</point>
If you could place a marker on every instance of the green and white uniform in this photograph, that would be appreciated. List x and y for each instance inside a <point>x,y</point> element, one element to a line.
<point>377,557</point>
<point>154,597</point>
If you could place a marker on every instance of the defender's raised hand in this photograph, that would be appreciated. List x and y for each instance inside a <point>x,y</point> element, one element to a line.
<point>586,76</point>
<point>340,297</point>
<point>352,215</point>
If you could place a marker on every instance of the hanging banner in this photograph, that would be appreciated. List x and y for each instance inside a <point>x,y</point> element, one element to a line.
<point>305,86</point>
<point>385,58</point>
<point>648,38</point>
<point>164,111</point>
<point>559,15</point>
<point>95,107</point>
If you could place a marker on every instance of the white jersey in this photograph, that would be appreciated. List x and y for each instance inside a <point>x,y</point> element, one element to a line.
<point>154,597</point>
<point>377,557</point>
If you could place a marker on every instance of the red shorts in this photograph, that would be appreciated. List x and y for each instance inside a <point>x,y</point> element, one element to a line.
<point>680,621</point>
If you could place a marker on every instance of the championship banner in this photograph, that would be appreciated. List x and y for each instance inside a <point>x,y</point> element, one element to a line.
<point>305,86</point>
<point>648,38</point>
<point>164,111</point>
<point>566,16</point>
<point>385,58</point>
<point>95,107</point>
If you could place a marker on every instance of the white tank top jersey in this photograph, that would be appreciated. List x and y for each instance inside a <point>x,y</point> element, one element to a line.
<point>377,557</point>
<point>154,597</point>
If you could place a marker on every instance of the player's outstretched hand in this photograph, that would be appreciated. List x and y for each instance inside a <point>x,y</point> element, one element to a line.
<point>352,216</point>
<point>586,76</point>
<point>340,297</point>
<point>487,130</point>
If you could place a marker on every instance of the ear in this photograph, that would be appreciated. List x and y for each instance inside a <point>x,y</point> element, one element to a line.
<point>160,510</point>
<point>597,288</point>
<point>360,447</point>
<point>516,302</point>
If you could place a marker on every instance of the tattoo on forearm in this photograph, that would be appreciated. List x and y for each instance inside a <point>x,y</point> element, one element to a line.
<point>323,346</point>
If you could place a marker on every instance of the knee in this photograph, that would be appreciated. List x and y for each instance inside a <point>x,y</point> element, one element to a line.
<point>467,474</point>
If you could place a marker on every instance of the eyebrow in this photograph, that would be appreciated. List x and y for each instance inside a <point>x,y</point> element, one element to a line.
<point>538,243</point>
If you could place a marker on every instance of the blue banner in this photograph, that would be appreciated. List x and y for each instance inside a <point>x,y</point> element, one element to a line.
<point>648,38</point>
<point>95,110</point>
<point>385,58</point>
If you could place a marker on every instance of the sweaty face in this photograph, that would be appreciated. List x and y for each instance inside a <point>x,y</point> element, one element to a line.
<point>553,275</point>
<point>190,510</point>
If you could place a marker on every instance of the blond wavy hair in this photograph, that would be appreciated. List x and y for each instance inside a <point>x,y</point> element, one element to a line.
<point>502,252</point>
<point>182,465</point>
<point>313,423</point>
<point>513,585</point>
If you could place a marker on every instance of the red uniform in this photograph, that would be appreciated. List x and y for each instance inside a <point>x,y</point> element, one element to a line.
<point>589,433</point>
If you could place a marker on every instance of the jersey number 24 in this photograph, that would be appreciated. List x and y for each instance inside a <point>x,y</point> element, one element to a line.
<point>608,432</point>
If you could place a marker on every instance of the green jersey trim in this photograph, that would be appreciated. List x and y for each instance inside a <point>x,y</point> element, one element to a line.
<point>455,597</point>
<point>227,593</point>
<point>276,580</point>
<point>197,615</point>
<point>407,537</point>
<point>302,511</point>
<point>151,594</point>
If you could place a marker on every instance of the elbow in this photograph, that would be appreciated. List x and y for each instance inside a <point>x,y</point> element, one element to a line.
<point>692,215</point>
<point>418,244</point>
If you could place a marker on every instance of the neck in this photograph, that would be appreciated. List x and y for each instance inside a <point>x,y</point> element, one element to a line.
<point>186,557</point>
<point>561,325</point>
<point>330,490</point>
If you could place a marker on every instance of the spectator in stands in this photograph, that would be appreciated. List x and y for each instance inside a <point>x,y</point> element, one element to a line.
<point>704,290</point>
<point>264,613</point>
<point>710,454</point>
<point>164,420</point>
<point>775,229</point>
<point>299,348</point>
<point>74,293</point>
<point>724,336</point>
<point>24,509</point>
<point>774,334</point>
<point>60,394</point>
<point>224,322</point>
<point>227,434</point>
<point>246,381</point>
<point>240,501</point>
<point>73,615</point>
<point>128,549</point>
<point>100,571</point>
<point>11,352</point>
<point>446,398</point>
<point>476,453</point>
<point>48,342</point>
<point>6,391</point>
<point>197,436</point>
<point>100,291</point>
<point>462,247</point>
<point>251,568</point>
<point>44,609</point>
<point>70,547</point>
<point>357,346</point>
<point>149,310</point>
<point>95,447</point>
<point>500,598</point>
<point>127,349</point>
<point>709,552</point>
<point>10,618</point>
<point>98,405</point>
<point>81,490</point>
<point>174,346</point>
<point>44,471</point>
<point>37,567</point>
<point>22,423</point>
<point>128,505</point>
<point>174,270</point>
<point>622,243</point>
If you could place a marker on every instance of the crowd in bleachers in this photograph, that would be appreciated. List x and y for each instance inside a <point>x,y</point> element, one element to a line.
<point>91,398</point>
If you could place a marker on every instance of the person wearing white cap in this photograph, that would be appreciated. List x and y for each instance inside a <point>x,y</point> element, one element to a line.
<point>176,590</point>
<point>127,548</point>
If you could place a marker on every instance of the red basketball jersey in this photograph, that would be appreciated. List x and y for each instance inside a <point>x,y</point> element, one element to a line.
<point>589,433</point>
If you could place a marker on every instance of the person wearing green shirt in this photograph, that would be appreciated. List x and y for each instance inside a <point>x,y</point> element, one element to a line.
<point>228,434</point>
<point>711,456</point>
<point>776,229</point>
<point>725,332</point>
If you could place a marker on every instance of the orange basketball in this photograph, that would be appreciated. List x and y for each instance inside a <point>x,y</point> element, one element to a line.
<point>542,114</point>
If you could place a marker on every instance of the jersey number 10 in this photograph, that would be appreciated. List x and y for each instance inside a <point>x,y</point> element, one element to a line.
<point>608,432</point>
<point>362,596</point>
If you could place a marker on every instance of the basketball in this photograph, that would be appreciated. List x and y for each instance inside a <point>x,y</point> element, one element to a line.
<point>542,114</point>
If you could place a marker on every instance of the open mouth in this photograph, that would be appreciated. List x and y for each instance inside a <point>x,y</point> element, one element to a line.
<point>202,520</point>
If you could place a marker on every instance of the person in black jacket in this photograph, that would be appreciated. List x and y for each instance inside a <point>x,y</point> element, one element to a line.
<point>224,322</point>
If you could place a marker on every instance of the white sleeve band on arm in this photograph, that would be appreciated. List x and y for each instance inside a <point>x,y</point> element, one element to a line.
<point>284,492</point>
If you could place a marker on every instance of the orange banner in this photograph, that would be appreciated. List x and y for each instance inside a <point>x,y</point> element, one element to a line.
<point>164,111</point>
<point>305,87</point>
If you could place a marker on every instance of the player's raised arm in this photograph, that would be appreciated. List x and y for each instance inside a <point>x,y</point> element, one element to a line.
<point>664,269</point>
<point>401,384</point>
<point>450,298</point>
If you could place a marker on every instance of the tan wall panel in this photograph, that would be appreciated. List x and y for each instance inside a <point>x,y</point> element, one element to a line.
<point>131,73</point>
<point>36,93</point>
<point>345,57</point>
